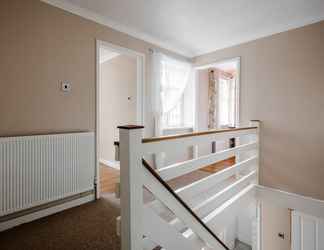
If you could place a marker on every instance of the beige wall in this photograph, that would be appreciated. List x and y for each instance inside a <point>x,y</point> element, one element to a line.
<point>40,46</point>
<point>282,84</point>
<point>118,78</point>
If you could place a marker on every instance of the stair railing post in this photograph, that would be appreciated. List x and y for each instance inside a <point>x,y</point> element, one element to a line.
<point>131,187</point>
<point>256,123</point>
<point>257,221</point>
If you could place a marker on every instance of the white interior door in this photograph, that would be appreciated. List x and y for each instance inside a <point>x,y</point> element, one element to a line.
<point>307,232</point>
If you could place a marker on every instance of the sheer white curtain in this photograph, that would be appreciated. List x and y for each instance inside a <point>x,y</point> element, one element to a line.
<point>156,95</point>
<point>227,102</point>
<point>175,77</point>
<point>169,80</point>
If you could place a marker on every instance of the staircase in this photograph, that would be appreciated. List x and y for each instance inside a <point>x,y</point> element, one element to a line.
<point>219,211</point>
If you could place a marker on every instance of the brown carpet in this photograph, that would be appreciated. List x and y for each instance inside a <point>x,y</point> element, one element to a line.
<point>90,226</point>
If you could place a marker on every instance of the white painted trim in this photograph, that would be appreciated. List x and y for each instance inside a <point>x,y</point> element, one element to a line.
<point>131,188</point>
<point>182,168</point>
<point>202,209</point>
<point>111,164</point>
<point>148,244</point>
<point>159,231</point>
<point>104,20</point>
<point>45,212</point>
<point>140,92</point>
<point>259,245</point>
<point>170,145</point>
<point>298,231</point>
<point>156,188</point>
<point>293,201</point>
<point>97,121</point>
<point>220,216</point>
<point>257,138</point>
<point>207,182</point>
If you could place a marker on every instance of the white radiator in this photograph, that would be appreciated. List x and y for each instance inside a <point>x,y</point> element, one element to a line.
<point>35,170</point>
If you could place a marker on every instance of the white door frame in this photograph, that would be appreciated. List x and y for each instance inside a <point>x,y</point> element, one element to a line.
<point>140,83</point>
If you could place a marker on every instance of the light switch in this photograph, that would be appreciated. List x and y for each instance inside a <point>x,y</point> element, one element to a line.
<point>66,86</point>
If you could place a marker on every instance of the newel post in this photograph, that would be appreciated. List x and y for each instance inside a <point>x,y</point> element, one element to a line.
<point>257,123</point>
<point>131,186</point>
<point>258,213</point>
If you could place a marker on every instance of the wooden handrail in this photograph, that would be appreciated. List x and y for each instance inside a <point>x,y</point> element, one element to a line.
<point>213,131</point>
<point>182,202</point>
<point>177,136</point>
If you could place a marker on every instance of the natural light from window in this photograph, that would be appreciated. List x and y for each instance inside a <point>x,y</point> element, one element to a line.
<point>176,93</point>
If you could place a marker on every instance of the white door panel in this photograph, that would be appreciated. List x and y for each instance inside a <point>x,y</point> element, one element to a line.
<point>307,232</point>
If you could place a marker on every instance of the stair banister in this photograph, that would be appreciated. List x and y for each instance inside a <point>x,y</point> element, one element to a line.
<point>132,148</point>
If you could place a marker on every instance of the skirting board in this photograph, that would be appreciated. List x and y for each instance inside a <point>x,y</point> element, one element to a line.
<point>112,164</point>
<point>45,212</point>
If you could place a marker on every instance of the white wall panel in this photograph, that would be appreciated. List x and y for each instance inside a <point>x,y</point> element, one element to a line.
<point>307,232</point>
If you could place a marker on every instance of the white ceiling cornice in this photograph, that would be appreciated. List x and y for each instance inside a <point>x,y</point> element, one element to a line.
<point>85,13</point>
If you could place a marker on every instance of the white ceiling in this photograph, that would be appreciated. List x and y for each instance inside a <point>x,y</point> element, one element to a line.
<point>194,27</point>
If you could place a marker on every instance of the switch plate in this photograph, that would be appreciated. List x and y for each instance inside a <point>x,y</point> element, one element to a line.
<point>66,86</point>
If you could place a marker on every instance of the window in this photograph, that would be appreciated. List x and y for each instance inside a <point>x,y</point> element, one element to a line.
<point>176,93</point>
<point>226,102</point>
<point>175,117</point>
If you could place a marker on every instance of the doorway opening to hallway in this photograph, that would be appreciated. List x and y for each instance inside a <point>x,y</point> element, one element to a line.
<point>119,94</point>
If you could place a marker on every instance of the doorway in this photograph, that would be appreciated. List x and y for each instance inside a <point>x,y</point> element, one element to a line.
<point>119,95</point>
<point>217,96</point>
<point>217,104</point>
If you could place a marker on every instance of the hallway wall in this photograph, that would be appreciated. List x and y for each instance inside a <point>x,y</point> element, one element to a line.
<point>41,46</point>
<point>282,85</point>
